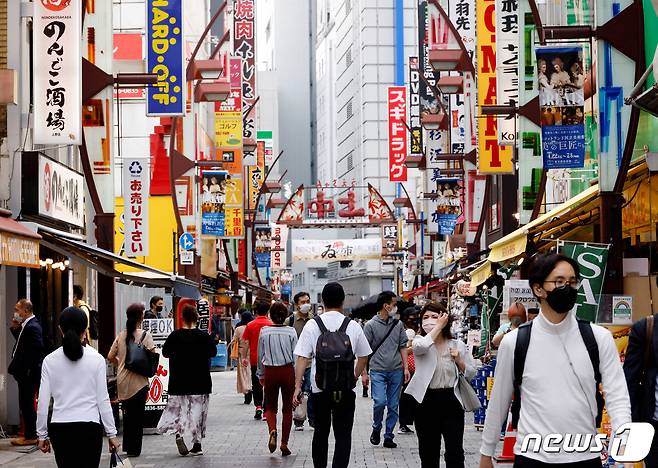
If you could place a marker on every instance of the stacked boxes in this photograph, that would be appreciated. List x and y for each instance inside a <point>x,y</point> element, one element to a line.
<point>482,384</point>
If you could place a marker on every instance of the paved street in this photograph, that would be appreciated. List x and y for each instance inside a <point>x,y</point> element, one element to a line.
<point>235,439</point>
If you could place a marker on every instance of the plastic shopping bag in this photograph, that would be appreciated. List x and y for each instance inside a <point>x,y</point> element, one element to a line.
<point>300,412</point>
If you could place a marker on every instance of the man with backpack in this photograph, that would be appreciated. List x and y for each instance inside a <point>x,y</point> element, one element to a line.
<point>334,344</point>
<point>300,317</point>
<point>92,315</point>
<point>553,366</point>
<point>387,365</point>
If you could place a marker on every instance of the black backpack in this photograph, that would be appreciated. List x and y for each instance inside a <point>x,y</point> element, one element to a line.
<point>93,322</point>
<point>521,351</point>
<point>334,359</point>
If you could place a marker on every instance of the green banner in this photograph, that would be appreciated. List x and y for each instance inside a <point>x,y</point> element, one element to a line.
<point>592,260</point>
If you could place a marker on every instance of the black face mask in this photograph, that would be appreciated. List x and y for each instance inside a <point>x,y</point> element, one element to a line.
<point>158,308</point>
<point>563,299</point>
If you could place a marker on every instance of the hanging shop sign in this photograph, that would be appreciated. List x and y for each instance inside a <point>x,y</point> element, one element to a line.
<point>592,260</point>
<point>335,250</point>
<point>416,143</point>
<point>507,65</point>
<point>164,57</point>
<point>263,246</point>
<point>228,113</point>
<point>477,186</point>
<point>18,251</point>
<point>255,179</point>
<point>266,137</point>
<point>449,204</point>
<point>57,72</point>
<point>278,259</point>
<point>397,133</point>
<point>492,158</point>
<point>244,47</point>
<point>622,310</point>
<point>389,239</point>
<point>439,255</point>
<point>222,214</point>
<point>203,308</point>
<point>158,393</point>
<point>561,100</point>
<point>136,179</point>
<point>518,291</point>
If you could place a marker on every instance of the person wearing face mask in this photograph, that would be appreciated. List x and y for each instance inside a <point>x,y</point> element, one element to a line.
<point>439,360</point>
<point>388,366</point>
<point>157,307</point>
<point>555,387</point>
<point>298,321</point>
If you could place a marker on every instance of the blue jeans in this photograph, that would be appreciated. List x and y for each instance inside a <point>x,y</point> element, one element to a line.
<point>307,387</point>
<point>386,390</point>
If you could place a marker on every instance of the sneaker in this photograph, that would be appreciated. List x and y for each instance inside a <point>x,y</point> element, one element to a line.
<point>196,450</point>
<point>388,443</point>
<point>375,438</point>
<point>285,452</point>
<point>259,414</point>
<point>405,430</point>
<point>182,448</point>
<point>264,417</point>
<point>299,428</point>
<point>271,444</point>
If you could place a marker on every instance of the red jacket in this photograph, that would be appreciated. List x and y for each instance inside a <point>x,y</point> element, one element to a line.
<point>252,333</point>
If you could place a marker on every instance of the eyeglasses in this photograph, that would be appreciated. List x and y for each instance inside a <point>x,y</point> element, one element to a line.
<point>562,283</point>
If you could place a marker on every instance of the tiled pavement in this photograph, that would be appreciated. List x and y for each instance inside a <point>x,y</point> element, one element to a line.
<point>235,439</point>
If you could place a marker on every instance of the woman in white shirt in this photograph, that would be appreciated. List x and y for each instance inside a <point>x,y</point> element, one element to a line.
<point>74,376</point>
<point>439,360</point>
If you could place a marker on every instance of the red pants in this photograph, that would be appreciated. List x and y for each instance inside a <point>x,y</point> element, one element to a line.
<point>279,377</point>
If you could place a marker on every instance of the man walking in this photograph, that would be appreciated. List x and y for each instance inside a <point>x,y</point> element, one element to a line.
<point>298,321</point>
<point>78,301</point>
<point>251,335</point>
<point>553,367</point>
<point>25,366</point>
<point>157,306</point>
<point>332,342</point>
<point>388,366</point>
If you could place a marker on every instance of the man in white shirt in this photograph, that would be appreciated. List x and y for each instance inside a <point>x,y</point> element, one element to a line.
<point>558,386</point>
<point>336,406</point>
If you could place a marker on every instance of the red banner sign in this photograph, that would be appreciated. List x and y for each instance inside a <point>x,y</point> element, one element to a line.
<point>397,133</point>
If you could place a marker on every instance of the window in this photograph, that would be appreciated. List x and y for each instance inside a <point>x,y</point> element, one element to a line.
<point>350,112</point>
<point>322,273</point>
<point>350,162</point>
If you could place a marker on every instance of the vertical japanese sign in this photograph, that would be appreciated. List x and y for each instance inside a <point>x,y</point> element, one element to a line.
<point>414,108</point>
<point>244,46</point>
<point>492,158</point>
<point>266,137</point>
<point>136,177</point>
<point>397,133</point>
<point>389,239</point>
<point>158,394</point>
<point>57,72</point>
<point>254,182</point>
<point>164,57</point>
<point>203,308</point>
<point>477,186</point>
<point>279,241</point>
<point>561,99</point>
<point>228,122</point>
<point>222,214</point>
<point>507,65</point>
<point>592,260</point>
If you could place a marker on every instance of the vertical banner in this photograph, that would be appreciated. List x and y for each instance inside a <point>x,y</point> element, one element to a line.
<point>592,260</point>
<point>507,65</point>
<point>244,47</point>
<point>158,394</point>
<point>266,137</point>
<point>476,191</point>
<point>389,239</point>
<point>263,246</point>
<point>57,72</point>
<point>414,108</point>
<point>164,57</point>
<point>222,214</point>
<point>439,256</point>
<point>449,204</point>
<point>228,123</point>
<point>136,177</point>
<point>397,133</point>
<point>492,158</point>
<point>560,79</point>
<point>254,181</point>
<point>279,241</point>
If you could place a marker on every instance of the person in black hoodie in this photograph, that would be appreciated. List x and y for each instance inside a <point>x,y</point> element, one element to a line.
<point>189,351</point>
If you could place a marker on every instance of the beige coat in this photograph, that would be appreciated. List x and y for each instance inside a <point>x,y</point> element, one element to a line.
<point>128,383</point>
<point>243,373</point>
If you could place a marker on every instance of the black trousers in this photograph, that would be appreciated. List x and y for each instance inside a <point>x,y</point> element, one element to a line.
<point>256,388</point>
<point>407,408</point>
<point>339,410</point>
<point>524,462</point>
<point>76,444</point>
<point>440,415</point>
<point>133,422</point>
<point>652,459</point>
<point>27,389</point>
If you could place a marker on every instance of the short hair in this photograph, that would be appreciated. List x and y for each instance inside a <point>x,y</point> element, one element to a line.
<point>533,311</point>
<point>26,305</point>
<point>154,300</point>
<point>190,314</point>
<point>541,267</point>
<point>261,308</point>
<point>333,296</point>
<point>384,297</point>
<point>78,292</point>
<point>278,313</point>
<point>517,321</point>
<point>299,295</point>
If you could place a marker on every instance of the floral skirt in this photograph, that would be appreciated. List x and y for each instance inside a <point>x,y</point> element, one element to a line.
<point>185,415</point>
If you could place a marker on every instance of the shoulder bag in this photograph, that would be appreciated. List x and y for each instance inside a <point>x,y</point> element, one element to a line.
<point>470,400</point>
<point>140,360</point>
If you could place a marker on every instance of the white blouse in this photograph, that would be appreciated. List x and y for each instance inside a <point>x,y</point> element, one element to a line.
<point>445,373</point>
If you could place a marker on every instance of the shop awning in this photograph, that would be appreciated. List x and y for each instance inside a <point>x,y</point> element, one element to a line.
<point>19,245</point>
<point>432,286</point>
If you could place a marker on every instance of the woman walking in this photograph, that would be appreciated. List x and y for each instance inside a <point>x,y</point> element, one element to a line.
<point>132,387</point>
<point>242,354</point>
<point>439,360</point>
<point>74,376</point>
<point>276,371</point>
<point>189,351</point>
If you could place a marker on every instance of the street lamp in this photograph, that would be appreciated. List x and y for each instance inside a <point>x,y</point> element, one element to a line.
<point>212,92</point>
<point>205,70</point>
<point>451,84</point>
<point>446,59</point>
<point>249,145</point>
<point>433,121</point>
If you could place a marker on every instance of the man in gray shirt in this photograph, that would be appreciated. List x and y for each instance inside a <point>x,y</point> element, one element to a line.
<point>388,366</point>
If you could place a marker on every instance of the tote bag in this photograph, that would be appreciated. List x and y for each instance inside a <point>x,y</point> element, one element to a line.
<point>140,360</point>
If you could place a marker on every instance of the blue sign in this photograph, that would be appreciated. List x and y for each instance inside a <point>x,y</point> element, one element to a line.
<point>263,259</point>
<point>164,57</point>
<point>447,223</point>
<point>286,289</point>
<point>186,241</point>
<point>563,146</point>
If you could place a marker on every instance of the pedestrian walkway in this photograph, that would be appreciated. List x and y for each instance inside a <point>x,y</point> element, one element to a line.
<point>234,438</point>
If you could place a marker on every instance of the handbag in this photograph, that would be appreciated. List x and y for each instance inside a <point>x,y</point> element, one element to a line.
<point>140,360</point>
<point>115,460</point>
<point>299,414</point>
<point>470,400</point>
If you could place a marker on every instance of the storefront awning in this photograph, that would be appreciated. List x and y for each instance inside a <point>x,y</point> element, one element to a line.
<point>432,286</point>
<point>19,246</point>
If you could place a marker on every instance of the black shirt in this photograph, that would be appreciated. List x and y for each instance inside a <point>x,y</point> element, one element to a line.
<point>189,352</point>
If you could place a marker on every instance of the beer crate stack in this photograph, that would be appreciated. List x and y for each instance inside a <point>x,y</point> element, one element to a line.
<point>482,384</point>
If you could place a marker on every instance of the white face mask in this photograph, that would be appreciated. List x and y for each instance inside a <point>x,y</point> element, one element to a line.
<point>429,324</point>
<point>305,308</point>
<point>18,317</point>
<point>393,311</point>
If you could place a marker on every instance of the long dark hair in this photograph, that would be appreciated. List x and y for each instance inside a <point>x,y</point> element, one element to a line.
<point>134,314</point>
<point>73,323</point>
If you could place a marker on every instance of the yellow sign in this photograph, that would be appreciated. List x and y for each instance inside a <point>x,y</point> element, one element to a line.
<point>492,158</point>
<point>635,216</point>
<point>234,222</point>
<point>481,274</point>
<point>18,251</point>
<point>254,181</point>
<point>508,249</point>
<point>228,129</point>
<point>233,192</point>
<point>490,382</point>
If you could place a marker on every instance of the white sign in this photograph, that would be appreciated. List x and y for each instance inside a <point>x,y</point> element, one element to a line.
<point>474,339</point>
<point>57,72</point>
<point>518,291</point>
<point>136,178</point>
<point>186,257</point>
<point>159,328</point>
<point>61,192</point>
<point>622,310</point>
<point>336,249</point>
<point>507,65</point>
<point>439,253</point>
<point>279,241</point>
<point>159,384</point>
